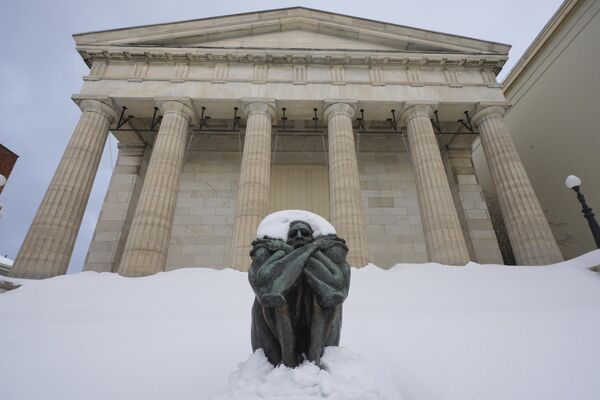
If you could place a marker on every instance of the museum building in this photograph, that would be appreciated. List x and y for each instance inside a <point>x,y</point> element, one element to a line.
<point>223,120</point>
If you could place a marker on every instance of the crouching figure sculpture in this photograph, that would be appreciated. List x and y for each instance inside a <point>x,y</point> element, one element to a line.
<point>300,286</point>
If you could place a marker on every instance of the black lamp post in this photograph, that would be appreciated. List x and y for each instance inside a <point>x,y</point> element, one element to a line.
<point>574,183</point>
<point>2,183</point>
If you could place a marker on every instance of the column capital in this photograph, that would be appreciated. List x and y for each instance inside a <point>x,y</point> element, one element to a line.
<point>486,110</point>
<point>178,105</point>
<point>262,106</point>
<point>333,108</point>
<point>416,109</point>
<point>101,104</point>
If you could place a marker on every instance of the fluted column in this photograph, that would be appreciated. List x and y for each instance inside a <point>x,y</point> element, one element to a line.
<point>113,224</point>
<point>528,229</point>
<point>253,194</point>
<point>48,246</point>
<point>146,247</point>
<point>444,238</point>
<point>346,208</point>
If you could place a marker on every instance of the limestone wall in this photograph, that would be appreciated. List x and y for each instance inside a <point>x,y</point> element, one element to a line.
<point>471,207</point>
<point>203,221</point>
<point>392,218</point>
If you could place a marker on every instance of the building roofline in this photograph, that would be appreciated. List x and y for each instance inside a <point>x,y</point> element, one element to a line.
<point>540,42</point>
<point>9,150</point>
<point>292,8</point>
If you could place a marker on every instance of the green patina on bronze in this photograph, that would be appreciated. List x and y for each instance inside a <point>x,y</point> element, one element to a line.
<point>300,286</point>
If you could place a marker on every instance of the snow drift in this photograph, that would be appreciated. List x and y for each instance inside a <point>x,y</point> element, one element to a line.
<point>421,332</point>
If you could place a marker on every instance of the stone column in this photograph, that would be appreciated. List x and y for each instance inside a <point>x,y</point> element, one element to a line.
<point>48,246</point>
<point>253,194</point>
<point>146,247</point>
<point>444,239</point>
<point>346,208</point>
<point>528,229</point>
<point>115,217</point>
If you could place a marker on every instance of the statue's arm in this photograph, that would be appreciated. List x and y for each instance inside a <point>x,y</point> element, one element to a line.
<point>324,269</point>
<point>328,274</point>
<point>262,258</point>
<point>271,276</point>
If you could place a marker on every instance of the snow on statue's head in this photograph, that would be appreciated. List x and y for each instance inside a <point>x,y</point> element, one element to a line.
<point>277,224</point>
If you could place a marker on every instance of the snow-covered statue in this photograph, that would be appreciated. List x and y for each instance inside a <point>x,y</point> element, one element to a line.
<point>301,278</point>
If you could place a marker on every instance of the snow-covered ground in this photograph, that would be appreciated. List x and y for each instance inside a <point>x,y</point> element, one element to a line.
<point>421,332</point>
<point>6,261</point>
<point>5,265</point>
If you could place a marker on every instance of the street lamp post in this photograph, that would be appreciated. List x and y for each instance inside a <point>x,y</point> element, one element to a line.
<point>573,182</point>
<point>2,183</point>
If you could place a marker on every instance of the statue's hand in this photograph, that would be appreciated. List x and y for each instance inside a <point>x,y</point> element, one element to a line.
<point>327,241</point>
<point>278,244</point>
<point>273,244</point>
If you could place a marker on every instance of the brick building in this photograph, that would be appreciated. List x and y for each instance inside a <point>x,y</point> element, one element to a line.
<point>7,162</point>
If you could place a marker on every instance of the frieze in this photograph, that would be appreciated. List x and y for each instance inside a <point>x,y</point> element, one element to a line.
<point>416,75</point>
<point>91,54</point>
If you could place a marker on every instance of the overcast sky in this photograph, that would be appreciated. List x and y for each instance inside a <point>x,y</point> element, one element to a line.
<point>40,70</point>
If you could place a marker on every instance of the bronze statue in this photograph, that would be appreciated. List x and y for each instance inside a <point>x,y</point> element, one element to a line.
<point>300,286</point>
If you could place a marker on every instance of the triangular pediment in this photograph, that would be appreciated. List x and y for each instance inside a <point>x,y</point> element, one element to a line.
<point>287,39</point>
<point>292,28</point>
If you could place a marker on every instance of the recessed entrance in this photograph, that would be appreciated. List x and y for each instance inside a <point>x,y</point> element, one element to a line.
<point>300,186</point>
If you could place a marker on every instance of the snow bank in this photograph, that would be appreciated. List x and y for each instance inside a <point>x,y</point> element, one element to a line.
<point>277,224</point>
<point>345,376</point>
<point>6,261</point>
<point>424,331</point>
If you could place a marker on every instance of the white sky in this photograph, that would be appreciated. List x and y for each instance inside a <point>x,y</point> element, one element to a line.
<point>40,70</point>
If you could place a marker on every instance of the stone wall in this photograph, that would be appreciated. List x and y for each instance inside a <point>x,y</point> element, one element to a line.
<point>471,207</point>
<point>203,221</point>
<point>392,217</point>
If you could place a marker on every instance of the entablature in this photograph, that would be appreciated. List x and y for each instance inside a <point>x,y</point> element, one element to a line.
<point>212,55</point>
<point>432,71</point>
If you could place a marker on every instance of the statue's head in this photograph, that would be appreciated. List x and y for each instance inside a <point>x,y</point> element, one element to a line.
<point>299,234</point>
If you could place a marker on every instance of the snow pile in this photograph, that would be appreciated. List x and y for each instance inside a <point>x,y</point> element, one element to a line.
<point>6,261</point>
<point>345,376</point>
<point>277,224</point>
<point>425,331</point>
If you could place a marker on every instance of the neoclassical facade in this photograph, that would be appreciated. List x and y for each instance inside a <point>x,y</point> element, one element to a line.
<point>222,120</point>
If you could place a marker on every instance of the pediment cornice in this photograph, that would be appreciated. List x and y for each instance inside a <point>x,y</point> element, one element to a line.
<point>91,53</point>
